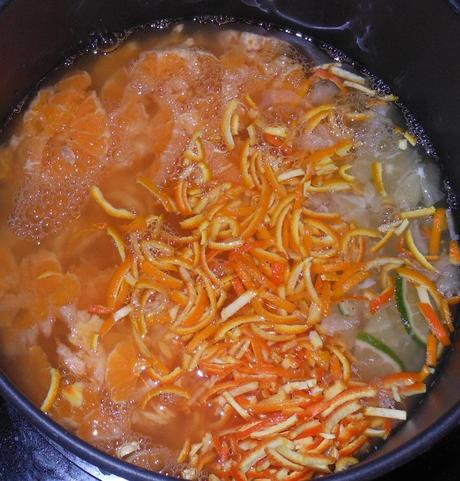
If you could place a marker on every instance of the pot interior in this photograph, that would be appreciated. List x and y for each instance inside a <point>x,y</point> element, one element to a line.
<point>408,47</point>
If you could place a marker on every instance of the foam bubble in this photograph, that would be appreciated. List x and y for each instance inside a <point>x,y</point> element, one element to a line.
<point>43,207</point>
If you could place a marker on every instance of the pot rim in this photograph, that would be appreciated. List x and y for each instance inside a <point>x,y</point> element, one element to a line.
<point>363,471</point>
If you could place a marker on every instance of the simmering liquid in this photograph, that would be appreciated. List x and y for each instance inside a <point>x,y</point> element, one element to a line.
<point>221,256</point>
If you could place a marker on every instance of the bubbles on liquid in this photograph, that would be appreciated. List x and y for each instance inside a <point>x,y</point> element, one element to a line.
<point>299,57</point>
<point>161,24</point>
<point>413,125</point>
<point>43,206</point>
<point>105,42</point>
<point>219,20</point>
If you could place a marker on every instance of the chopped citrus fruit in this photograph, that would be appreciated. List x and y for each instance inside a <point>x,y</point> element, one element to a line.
<point>386,326</point>
<point>73,394</point>
<point>407,300</point>
<point>139,132</point>
<point>143,125</point>
<point>62,142</point>
<point>211,277</point>
<point>35,361</point>
<point>9,274</point>
<point>120,375</point>
<point>383,350</point>
<point>108,65</point>
<point>72,124</point>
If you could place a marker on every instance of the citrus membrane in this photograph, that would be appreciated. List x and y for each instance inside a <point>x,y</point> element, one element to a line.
<point>386,326</point>
<point>375,344</point>
<point>347,308</point>
<point>412,319</point>
<point>371,363</point>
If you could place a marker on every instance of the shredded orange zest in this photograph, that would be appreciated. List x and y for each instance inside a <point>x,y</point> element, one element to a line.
<point>435,323</point>
<point>431,350</point>
<point>358,232</point>
<point>224,285</point>
<point>415,251</point>
<point>343,172</point>
<point>109,208</point>
<point>410,138</point>
<point>47,274</point>
<point>454,253</point>
<point>118,287</point>
<point>196,151</point>
<point>414,214</point>
<point>378,302</point>
<point>377,175</point>
<point>177,391</point>
<point>420,279</point>
<point>452,301</point>
<point>313,112</point>
<point>165,200</point>
<point>118,240</point>
<point>226,126</point>
<point>383,241</point>
<point>439,222</point>
<point>53,390</point>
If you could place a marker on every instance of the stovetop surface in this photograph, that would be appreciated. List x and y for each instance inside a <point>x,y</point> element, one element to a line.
<point>26,456</point>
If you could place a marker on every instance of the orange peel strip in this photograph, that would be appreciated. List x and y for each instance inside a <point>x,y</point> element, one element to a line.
<point>175,390</point>
<point>377,175</point>
<point>417,254</point>
<point>163,198</point>
<point>108,208</point>
<point>53,390</point>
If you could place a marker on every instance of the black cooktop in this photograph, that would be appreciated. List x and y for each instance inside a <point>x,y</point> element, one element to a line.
<point>26,456</point>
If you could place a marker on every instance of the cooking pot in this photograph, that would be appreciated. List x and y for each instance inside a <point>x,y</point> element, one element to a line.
<point>411,45</point>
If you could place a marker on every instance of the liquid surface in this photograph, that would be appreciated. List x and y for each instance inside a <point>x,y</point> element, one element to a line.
<point>220,259</point>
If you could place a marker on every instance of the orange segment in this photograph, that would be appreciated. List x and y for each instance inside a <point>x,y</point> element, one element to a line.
<point>42,274</point>
<point>156,69</point>
<point>141,131</point>
<point>79,81</point>
<point>161,128</point>
<point>62,141</point>
<point>114,62</point>
<point>40,271</point>
<point>6,162</point>
<point>75,126</point>
<point>145,130</point>
<point>120,376</point>
<point>225,165</point>
<point>35,361</point>
<point>66,292</point>
<point>113,90</point>
<point>8,270</point>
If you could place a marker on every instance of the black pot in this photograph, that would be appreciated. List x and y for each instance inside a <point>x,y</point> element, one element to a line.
<point>411,45</point>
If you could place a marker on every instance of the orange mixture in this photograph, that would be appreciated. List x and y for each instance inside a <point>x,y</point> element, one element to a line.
<point>171,257</point>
